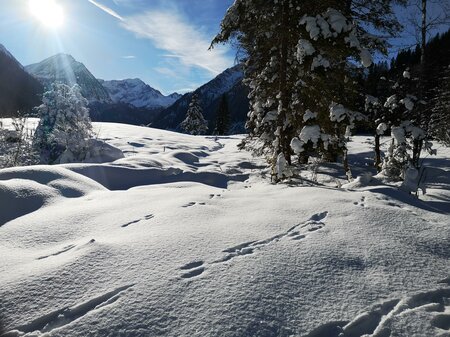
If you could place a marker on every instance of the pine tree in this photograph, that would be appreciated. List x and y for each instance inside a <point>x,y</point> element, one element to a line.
<point>64,128</point>
<point>301,85</point>
<point>222,117</point>
<point>402,161</point>
<point>194,123</point>
<point>440,108</point>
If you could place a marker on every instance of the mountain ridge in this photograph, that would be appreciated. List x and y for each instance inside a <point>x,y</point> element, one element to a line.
<point>19,91</point>
<point>65,69</point>
<point>137,93</point>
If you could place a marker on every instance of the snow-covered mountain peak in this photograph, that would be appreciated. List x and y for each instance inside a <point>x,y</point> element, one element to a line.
<point>64,68</point>
<point>137,93</point>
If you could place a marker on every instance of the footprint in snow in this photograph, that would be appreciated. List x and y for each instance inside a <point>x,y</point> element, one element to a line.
<point>361,202</point>
<point>146,217</point>
<point>378,321</point>
<point>64,250</point>
<point>297,232</point>
<point>192,269</point>
<point>190,204</point>
<point>67,315</point>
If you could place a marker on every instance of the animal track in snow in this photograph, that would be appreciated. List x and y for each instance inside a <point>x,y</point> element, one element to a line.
<point>192,203</point>
<point>377,321</point>
<point>63,250</point>
<point>146,217</point>
<point>67,315</point>
<point>296,232</point>
<point>361,202</point>
<point>389,202</point>
<point>211,196</point>
<point>192,269</point>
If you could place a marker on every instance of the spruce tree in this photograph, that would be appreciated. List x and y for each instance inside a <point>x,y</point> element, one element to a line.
<point>194,123</point>
<point>65,128</point>
<point>222,117</point>
<point>301,85</point>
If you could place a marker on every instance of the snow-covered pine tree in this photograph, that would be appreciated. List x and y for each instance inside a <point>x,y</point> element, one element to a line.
<point>194,123</point>
<point>408,138</point>
<point>296,65</point>
<point>64,128</point>
<point>222,117</point>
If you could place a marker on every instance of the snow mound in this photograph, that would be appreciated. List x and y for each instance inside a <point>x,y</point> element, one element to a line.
<point>26,189</point>
<point>22,197</point>
<point>102,152</point>
<point>123,178</point>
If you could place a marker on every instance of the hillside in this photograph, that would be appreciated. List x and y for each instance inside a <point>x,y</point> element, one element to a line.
<point>228,83</point>
<point>18,90</point>
<point>65,69</point>
<point>186,236</point>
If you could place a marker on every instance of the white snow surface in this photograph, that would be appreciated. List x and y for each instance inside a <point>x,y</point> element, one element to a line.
<point>185,237</point>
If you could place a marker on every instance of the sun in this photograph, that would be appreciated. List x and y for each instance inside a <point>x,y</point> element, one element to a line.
<point>48,12</point>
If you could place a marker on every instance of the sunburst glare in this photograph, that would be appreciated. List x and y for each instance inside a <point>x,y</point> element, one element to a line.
<point>48,12</point>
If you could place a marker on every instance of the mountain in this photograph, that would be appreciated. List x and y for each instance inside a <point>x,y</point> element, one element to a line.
<point>228,83</point>
<point>122,113</point>
<point>18,89</point>
<point>64,68</point>
<point>138,94</point>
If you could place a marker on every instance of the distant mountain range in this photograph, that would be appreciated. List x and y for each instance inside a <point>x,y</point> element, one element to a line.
<point>228,83</point>
<point>125,101</point>
<point>18,89</point>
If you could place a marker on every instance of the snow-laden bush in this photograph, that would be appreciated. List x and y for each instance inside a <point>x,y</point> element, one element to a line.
<point>65,128</point>
<point>16,144</point>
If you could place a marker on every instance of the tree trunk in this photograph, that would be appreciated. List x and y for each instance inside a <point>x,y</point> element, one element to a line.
<point>348,173</point>
<point>284,137</point>
<point>423,40</point>
<point>377,153</point>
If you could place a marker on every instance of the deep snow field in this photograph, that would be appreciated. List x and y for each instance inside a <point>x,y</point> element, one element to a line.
<point>186,236</point>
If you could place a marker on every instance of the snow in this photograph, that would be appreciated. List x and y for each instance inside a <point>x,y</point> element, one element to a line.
<point>338,112</point>
<point>319,61</point>
<point>185,237</point>
<point>311,26</point>
<point>337,21</point>
<point>138,94</point>
<point>408,103</point>
<point>381,128</point>
<point>304,48</point>
<point>309,115</point>
<point>366,58</point>
<point>391,102</point>
<point>398,134</point>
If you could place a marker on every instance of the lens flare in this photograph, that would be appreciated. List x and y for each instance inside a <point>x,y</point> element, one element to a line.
<point>48,12</point>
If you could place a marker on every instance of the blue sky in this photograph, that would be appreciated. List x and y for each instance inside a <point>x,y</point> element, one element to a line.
<point>163,42</point>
